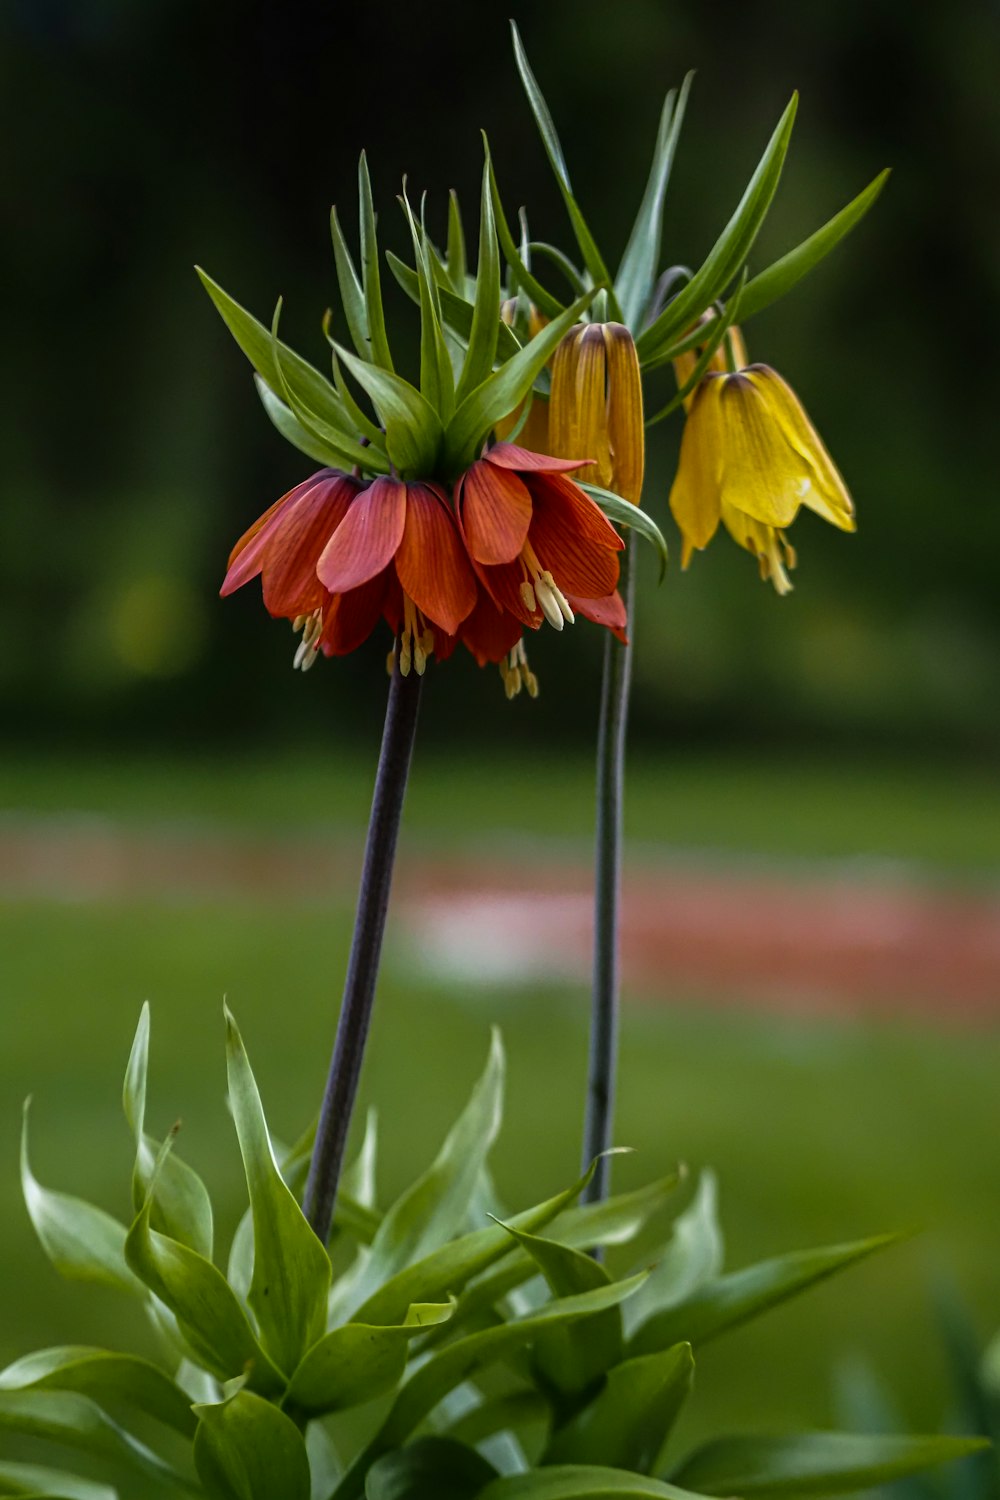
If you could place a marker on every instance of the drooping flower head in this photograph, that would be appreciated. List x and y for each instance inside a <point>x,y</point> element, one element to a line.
<point>542,548</point>
<point>751,458</point>
<point>596,407</point>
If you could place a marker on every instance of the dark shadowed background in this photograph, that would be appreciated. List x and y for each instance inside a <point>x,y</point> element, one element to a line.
<point>812,918</point>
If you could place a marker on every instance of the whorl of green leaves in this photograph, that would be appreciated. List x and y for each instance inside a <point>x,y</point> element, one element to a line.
<point>588,1369</point>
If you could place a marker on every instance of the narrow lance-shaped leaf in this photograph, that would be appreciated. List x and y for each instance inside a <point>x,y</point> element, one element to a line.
<point>74,1421</point>
<point>780,277</point>
<point>733,1299</point>
<point>103,1375</point>
<point>412,426</point>
<point>455,262</point>
<point>50,1484</point>
<point>623,512</point>
<point>456,311</point>
<point>529,284</point>
<point>814,1463</point>
<point>637,272</point>
<point>291,1268</point>
<point>208,1312</point>
<point>455,1363</point>
<point>628,1422</point>
<point>181,1205</point>
<point>502,391</point>
<point>346,449</point>
<point>82,1241</point>
<point>352,297</point>
<point>572,1356</point>
<point>246,1449</point>
<point>730,250</point>
<point>592,257</point>
<point>481,350</point>
<point>312,391</point>
<point>449,1268</point>
<point>436,376</point>
<point>581,1482</point>
<point>430,1212</point>
<point>371,278</point>
<point>359,1361</point>
<point>693,1256</point>
<point>291,428</point>
<point>714,333</point>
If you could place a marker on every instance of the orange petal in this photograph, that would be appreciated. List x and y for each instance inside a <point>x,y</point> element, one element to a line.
<point>609,611</point>
<point>352,617</point>
<point>367,539</point>
<point>510,456</point>
<point>431,562</point>
<point>578,564</point>
<point>580,513</point>
<point>250,549</point>
<point>503,584</point>
<point>289,572</point>
<point>495,507</point>
<point>489,632</point>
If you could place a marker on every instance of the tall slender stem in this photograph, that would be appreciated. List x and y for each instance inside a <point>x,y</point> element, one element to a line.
<point>366,948</point>
<point>603,1061</point>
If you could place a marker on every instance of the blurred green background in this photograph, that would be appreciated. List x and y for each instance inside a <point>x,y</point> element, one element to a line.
<point>854,726</point>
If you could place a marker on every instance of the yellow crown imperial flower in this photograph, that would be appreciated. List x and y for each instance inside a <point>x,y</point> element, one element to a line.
<point>750,457</point>
<point>595,407</point>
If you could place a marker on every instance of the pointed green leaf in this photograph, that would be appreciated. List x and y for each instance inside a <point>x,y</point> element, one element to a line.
<point>50,1484</point>
<point>562,262</point>
<point>412,427</point>
<point>312,391</point>
<point>292,430</point>
<point>82,1241</point>
<point>502,391</point>
<point>592,257</point>
<point>482,345</point>
<point>614,1221</point>
<point>436,378</point>
<point>629,1421</point>
<point>780,277</point>
<point>456,263</point>
<point>74,1421</point>
<point>359,1361</point>
<point>511,1411</point>
<point>814,1463</point>
<point>451,1366</point>
<point>621,512</point>
<point>728,253</point>
<point>714,333</point>
<point>433,1468</point>
<point>693,1256</point>
<point>371,279</point>
<point>637,272</point>
<point>105,1376</point>
<point>432,1211</point>
<point>456,311</point>
<point>581,1482</point>
<point>358,1180</point>
<point>529,285</point>
<point>573,1356</point>
<point>348,450</point>
<point>724,1303</point>
<point>352,297</point>
<point>291,1268</point>
<point>354,409</point>
<point>208,1313</point>
<point>246,1449</point>
<point>448,1269</point>
<point>181,1205</point>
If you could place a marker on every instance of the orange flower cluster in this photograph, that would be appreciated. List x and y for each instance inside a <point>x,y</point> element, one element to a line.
<point>517,543</point>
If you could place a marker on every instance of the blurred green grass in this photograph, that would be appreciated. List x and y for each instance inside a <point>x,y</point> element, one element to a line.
<point>820,1130</point>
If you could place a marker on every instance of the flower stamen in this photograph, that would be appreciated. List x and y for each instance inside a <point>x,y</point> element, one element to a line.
<point>416,640</point>
<point>311,628</point>
<point>541,586</point>
<point>516,673</point>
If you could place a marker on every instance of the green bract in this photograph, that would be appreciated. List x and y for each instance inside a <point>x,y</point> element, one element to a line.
<point>632,296</point>
<point>473,369</point>
<point>508,1361</point>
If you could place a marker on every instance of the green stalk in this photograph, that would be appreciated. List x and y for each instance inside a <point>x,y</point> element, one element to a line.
<point>604,1021</point>
<point>366,950</point>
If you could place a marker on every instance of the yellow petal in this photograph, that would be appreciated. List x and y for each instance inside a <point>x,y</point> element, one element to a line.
<point>827,493</point>
<point>626,433</point>
<point>578,413</point>
<point>694,497</point>
<point>762,474</point>
<point>769,546</point>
